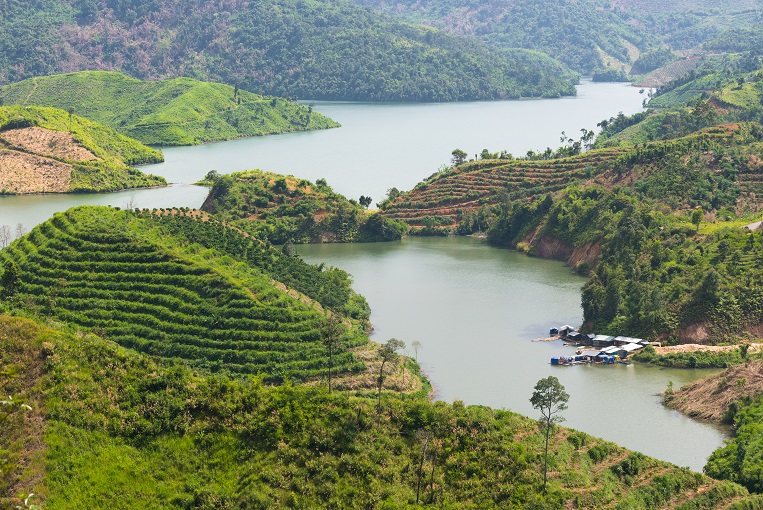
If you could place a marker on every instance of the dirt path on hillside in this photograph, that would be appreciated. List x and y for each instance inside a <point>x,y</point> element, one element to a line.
<point>699,347</point>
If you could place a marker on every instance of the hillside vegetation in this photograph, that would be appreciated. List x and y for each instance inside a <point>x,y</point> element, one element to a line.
<point>717,91</point>
<point>180,111</point>
<point>583,35</point>
<point>327,49</point>
<point>109,427</point>
<point>286,209</point>
<point>717,168</point>
<point>46,150</point>
<point>144,282</point>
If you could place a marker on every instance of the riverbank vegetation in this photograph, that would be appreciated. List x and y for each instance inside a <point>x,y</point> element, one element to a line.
<point>46,150</point>
<point>180,111</point>
<point>284,209</point>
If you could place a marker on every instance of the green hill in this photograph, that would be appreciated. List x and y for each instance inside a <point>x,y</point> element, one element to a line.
<point>180,111</point>
<point>327,49</point>
<point>46,150</point>
<point>108,428</point>
<point>144,282</point>
<point>283,208</point>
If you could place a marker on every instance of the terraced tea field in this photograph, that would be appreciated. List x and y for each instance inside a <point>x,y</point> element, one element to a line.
<point>120,276</point>
<point>447,198</point>
<point>730,154</point>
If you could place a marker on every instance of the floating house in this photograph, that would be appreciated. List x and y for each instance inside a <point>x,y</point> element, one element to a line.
<point>624,350</point>
<point>574,336</point>
<point>553,331</point>
<point>603,341</point>
<point>566,330</point>
<point>624,340</point>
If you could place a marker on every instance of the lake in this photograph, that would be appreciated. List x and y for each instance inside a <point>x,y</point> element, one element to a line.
<point>379,146</point>
<point>474,308</point>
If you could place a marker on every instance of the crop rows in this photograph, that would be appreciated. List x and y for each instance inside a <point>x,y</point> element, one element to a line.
<point>85,268</point>
<point>487,182</point>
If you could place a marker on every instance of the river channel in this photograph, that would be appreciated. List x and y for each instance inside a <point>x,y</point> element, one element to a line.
<point>475,309</point>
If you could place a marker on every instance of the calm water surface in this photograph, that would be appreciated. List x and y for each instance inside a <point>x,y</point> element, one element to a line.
<point>379,146</point>
<point>476,309</point>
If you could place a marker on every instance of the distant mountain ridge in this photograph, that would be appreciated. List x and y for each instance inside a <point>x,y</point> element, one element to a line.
<point>586,36</point>
<point>332,49</point>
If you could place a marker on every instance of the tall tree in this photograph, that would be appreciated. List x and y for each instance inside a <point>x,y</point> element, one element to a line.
<point>388,354</point>
<point>550,398</point>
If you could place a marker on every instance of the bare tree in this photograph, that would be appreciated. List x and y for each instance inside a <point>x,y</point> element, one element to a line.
<point>20,231</point>
<point>416,346</point>
<point>423,437</point>
<point>5,236</point>
<point>130,203</point>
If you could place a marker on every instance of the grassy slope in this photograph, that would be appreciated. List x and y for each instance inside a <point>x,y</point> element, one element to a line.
<point>283,208</point>
<point>123,275</point>
<point>113,429</point>
<point>180,111</point>
<point>115,151</point>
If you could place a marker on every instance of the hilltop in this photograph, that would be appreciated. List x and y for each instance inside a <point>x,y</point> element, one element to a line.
<point>180,111</point>
<point>147,280</point>
<point>286,209</point>
<point>326,49</point>
<point>46,150</point>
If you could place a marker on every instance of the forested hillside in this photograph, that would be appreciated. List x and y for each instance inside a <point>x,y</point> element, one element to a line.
<point>285,209</point>
<point>46,150</point>
<point>583,35</point>
<point>180,111</point>
<point>332,49</point>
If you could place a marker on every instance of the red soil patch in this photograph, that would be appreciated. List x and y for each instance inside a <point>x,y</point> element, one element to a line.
<point>27,173</point>
<point>46,142</point>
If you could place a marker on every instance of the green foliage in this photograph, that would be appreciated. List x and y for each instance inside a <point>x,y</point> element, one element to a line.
<point>651,60</point>
<point>698,359</point>
<point>181,111</point>
<point>740,460</point>
<point>329,49</point>
<point>281,209</point>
